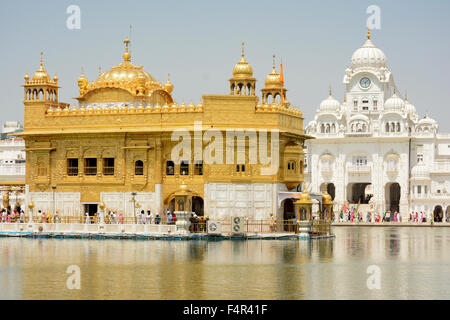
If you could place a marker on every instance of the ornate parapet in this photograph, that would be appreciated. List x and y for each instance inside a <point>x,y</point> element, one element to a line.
<point>274,108</point>
<point>93,110</point>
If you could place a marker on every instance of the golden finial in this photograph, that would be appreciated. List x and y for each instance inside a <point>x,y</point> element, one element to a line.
<point>126,54</point>
<point>330,91</point>
<point>368,33</point>
<point>82,70</point>
<point>242,49</point>
<point>168,77</point>
<point>395,90</point>
<point>42,59</point>
<point>273,62</point>
<point>99,71</point>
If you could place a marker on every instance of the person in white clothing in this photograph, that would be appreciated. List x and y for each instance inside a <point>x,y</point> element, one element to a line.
<point>149,217</point>
<point>88,219</point>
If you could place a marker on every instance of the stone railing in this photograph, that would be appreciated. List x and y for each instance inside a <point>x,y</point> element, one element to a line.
<point>88,228</point>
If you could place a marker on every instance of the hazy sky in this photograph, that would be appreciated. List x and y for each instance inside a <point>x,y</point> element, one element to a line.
<point>198,43</point>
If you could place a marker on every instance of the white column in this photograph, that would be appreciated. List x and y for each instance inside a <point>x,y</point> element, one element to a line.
<point>158,198</point>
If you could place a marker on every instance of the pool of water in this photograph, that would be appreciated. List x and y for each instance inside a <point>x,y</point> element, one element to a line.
<point>412,263</point>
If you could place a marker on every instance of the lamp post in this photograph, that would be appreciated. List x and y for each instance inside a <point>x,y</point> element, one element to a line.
<point>54,204</point>
<point>102,207</point>
<point>31,206</point>
<point>133,194</point>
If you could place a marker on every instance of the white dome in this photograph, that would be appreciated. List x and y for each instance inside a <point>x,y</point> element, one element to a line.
<point>410,108</point>
<point>368,56</point>
<point>329,105</point>
<point>420,170</point>
<point>394,103</point>
<point>427,120</point>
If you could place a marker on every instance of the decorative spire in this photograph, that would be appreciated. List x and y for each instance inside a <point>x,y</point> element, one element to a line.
<point>368,33</point>
<point>99,71</point>
<point>330,92</point>
<point>406,95</point>
<point>42,60</point>
<point>126,54</point>
<point>274,63</point>
<point>168,77</point>
<point>82,70</point>
<point>243,53</point>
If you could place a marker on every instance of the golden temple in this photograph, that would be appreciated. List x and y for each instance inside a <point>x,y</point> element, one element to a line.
<point>118,139</point>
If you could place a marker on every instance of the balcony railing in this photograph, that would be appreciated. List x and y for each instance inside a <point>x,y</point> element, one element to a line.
<point>359,169</point>
<point>441,167</point>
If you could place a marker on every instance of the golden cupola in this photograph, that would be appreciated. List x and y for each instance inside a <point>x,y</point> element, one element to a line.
<point>273,88</point>
<point>125,83</point>
<point>41,74</point>
<point>273,79</point>
<point>41,87</point>
<point>242,82</point>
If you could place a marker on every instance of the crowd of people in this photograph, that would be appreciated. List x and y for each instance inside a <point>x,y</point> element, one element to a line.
<point>12,216</point>
<point>142,217</point>
<point>350,214</point>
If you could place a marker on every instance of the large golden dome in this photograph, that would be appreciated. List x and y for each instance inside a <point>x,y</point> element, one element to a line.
<point>126,71</point>
<point>125,83</point>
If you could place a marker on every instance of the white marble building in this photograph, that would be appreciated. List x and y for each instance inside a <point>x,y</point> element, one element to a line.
<point>374,149</point>
<point>12,162</point>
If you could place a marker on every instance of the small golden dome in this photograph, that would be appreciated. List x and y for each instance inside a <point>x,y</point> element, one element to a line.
<point>242,69</point>
<point>41,74</point>
<point>168,86</point>
<point>27,77</point>
<point>83,82</point>
<point>273,79</point>
<point>326,197</point>
<point>55,78</point>
<point>304,196</point>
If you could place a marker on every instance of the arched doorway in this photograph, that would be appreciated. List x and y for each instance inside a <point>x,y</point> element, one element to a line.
<point>438,214</point>
<point>392,196</point>
<point>357,193</point>
<point>197,206</point>
<point>172,206</point>
<point>288,214</point>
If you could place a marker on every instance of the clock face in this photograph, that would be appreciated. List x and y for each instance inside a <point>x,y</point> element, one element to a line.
<point>364,82</point>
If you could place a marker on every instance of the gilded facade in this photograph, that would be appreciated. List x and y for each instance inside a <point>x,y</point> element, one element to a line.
<point>118,139</point>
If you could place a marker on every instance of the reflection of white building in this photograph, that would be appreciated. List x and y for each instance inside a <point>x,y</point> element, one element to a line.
<point>373,149</point>
<point>12,162</point>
